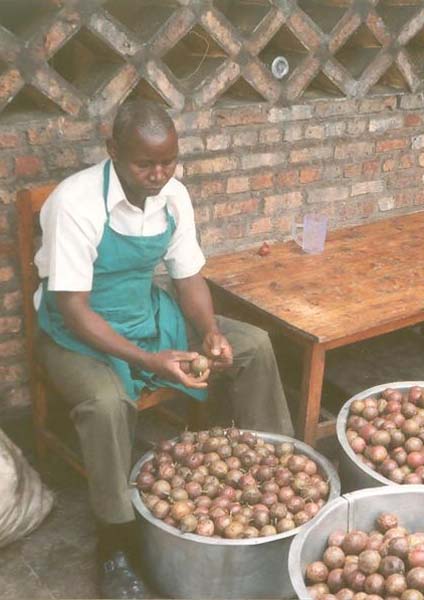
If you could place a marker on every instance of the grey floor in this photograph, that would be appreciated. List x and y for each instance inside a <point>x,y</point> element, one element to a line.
<point>57,560</point>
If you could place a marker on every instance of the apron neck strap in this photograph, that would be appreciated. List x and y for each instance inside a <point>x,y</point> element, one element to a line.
<point>106,179</point>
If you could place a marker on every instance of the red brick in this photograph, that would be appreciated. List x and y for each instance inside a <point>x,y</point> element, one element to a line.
<point>261,225</point>
<point>7,196</point>
<point>17,396</point>
<point>245,138</point>
<point>412,120</point>
<point>280,202</point>
<point>352,170</point>
<point>235,231</point>
<point>212,187</point>
<point>5,168</point>
<point>72,130</point>
<point>28,166</point>
<point>406,161</point>
<point>389,165</point>
<point>212,165</point>
<point>11,373</point>
<point>212,237</point>
<point>328,194</point>
<point>353,150</point>
<point>261,182</point>
<point>367,187</point>
<point>419,198</point>
<point>11,301</point>
<point>262,159</point>
<point>11,348</point>
<point>240,116</point>
<point>44,134</point>
<point>6,274</point>
<point>311,153</point>
<point>10,325</point>
<point>202,214</point>
<point>63,158</point>
<point>405,179</point>
<point>309,174</point>
<point>371,167</point>
<point>235,185</point>
<point>227,209</point>
<point>282,225</point>
<point>270,136</point>
<point>391,144</point>
<point>9,139</point>
<point>287,178</point>
<point>404,199</point>
<point>386,203</point>
<point>190,145</point>
<point>193,120</point>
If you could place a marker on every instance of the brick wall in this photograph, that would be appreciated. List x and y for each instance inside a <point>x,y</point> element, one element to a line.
<point>253,156</point>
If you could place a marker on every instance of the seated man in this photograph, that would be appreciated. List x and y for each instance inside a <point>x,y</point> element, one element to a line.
<point>107,331</point>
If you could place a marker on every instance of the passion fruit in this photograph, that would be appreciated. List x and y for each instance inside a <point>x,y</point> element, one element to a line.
<point>199,365</point>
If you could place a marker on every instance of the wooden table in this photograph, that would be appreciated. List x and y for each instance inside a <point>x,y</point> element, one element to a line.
<point>368,281</point>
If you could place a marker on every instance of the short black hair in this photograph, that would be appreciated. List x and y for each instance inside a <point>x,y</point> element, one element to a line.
<point>143,115</point>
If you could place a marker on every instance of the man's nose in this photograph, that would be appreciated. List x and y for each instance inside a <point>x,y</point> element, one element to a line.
<point>157,173</point>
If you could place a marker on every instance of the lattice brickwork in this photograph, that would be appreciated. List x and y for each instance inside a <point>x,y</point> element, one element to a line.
<point>81,57</point>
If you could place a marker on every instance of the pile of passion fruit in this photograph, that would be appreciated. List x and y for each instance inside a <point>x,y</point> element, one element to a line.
<point>231,484</point>
<point>384,564</point>
<point>387,434</point>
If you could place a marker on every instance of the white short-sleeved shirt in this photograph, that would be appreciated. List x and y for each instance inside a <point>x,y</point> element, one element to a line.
<point>73,219</point>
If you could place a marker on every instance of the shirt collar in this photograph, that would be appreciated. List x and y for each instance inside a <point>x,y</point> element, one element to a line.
<point>116,195</point>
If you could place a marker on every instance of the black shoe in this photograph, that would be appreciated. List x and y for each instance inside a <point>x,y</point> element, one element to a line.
<point>119,581</point>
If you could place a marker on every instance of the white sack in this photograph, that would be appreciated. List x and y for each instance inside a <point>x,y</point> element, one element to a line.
<point>24,500</point>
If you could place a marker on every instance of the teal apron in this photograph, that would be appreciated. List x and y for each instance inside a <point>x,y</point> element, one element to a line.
<point>123,293</point>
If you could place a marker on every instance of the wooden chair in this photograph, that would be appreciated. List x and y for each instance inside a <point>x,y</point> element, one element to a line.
<point>29,203</point>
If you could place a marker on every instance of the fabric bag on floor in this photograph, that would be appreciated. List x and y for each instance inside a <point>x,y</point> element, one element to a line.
<point>24,500</point>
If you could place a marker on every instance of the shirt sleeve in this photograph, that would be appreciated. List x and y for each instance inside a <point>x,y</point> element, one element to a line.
<point>69,245</point>
<point>184,257</point>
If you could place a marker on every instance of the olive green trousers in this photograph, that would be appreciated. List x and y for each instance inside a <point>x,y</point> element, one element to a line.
<point>105,418</point>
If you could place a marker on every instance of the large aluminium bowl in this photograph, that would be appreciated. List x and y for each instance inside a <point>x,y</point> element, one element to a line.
<point>184,565</point>
<point>357,510</point>
<point>354,474</point>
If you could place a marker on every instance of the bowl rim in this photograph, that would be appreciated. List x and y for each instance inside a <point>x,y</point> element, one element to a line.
<point>324,464</point>
<point>342,420</point>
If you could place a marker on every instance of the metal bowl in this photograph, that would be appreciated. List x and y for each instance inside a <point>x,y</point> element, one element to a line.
<point>184,565</point>
<point>357,510</point>
<point>354,474</point>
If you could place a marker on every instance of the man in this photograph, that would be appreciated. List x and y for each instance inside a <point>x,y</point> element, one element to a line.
<point>107,331</point>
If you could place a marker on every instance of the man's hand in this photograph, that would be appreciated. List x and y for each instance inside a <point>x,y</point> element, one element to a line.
<point>167,365</point>
<point>217,348</point>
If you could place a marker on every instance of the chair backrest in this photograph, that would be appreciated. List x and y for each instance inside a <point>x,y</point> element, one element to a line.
<point>29,203</point>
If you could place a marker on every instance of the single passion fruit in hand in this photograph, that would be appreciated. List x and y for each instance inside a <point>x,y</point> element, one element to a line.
<point>199,365</point>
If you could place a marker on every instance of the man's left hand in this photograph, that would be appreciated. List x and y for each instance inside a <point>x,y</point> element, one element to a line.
<point>217,348</point>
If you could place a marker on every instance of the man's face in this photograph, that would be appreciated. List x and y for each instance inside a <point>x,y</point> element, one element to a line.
<point>146,163</point>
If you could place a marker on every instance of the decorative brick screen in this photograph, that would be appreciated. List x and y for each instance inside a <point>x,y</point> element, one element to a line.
<point>342,132</point>
<point>86,57</point>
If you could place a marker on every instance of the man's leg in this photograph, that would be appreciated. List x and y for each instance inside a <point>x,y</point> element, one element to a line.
<point>105,420</point>
<point>254,385</point>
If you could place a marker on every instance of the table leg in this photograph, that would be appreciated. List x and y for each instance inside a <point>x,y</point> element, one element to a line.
<point>310,399</point>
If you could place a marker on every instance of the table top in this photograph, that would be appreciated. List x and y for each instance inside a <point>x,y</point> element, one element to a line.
<point>367,277</point>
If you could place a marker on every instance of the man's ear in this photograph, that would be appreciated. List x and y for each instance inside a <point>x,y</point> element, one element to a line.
<point>111,148</point>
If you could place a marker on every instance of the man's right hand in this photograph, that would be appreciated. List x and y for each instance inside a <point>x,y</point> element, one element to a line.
<point>167,365</point>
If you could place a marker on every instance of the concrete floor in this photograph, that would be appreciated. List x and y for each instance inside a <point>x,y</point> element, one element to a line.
<point>57,560</point>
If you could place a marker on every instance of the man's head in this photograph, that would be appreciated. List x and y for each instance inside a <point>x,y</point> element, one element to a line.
<point>144,148</point>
